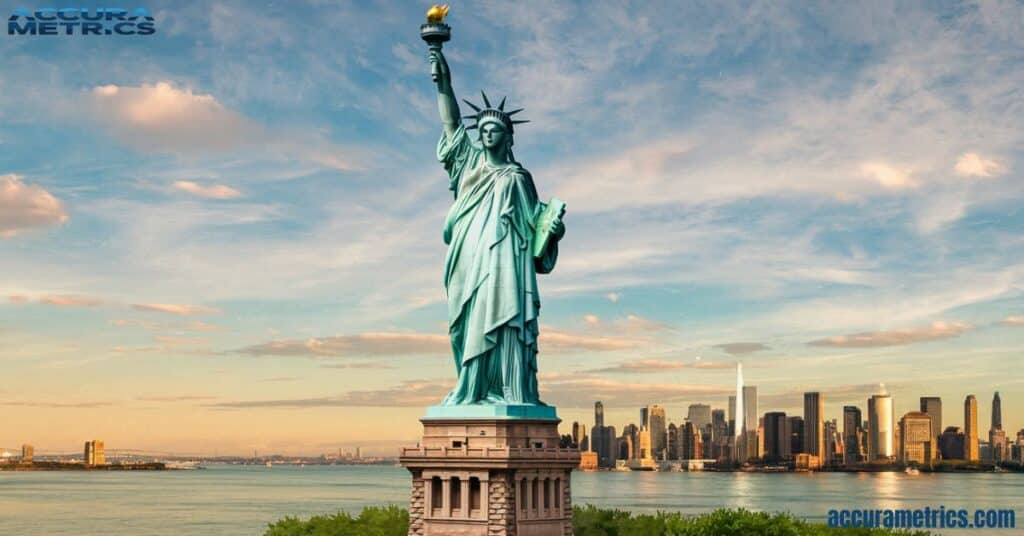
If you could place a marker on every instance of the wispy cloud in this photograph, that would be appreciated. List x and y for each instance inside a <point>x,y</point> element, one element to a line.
<point>358,366</point>
<point>556,341</point>
<point>208,191</point>
<point>179,341</point>
<point>408,393</point>
<point>176,398</point>
<point>363,344</point>
<point>975,165</point>
<point>55,405</point>
<point>899,337</point>
<point>174,309</point>
<point>70,301</point>
<point>26,206</point>
<point>649,366</point>
<point>1013,321</point>
<point>169,326</point>
<point>739,348</point>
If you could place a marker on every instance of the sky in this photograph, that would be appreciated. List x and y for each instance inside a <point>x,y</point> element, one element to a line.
<point>226,236</point>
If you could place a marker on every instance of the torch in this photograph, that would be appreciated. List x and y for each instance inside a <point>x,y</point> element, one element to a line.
<point>435,32</point>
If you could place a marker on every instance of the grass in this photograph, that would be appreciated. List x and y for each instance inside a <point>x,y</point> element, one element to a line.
<point>588,521</point>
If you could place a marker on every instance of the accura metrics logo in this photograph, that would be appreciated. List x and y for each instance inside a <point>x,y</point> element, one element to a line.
<point>81,21</point>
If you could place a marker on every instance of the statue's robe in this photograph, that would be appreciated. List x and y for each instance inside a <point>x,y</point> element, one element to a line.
<point>491,276</point>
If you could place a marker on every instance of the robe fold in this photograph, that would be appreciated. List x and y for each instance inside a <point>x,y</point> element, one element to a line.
<point>491,276</point>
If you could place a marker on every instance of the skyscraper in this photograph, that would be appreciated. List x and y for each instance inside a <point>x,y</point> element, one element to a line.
<point>643,443</point>
<point>736,403</point>
<point>653,417</point>
<point>673,441</point>
<point>732,416</point>
<point>916,441</point>
<point>692,442</point>
<point>94,453</point>
<point>796,435</point>
<point>699,415</point>
<point>814,424</point>
<point>971,438</point>
<point>750,415</point>
<point>932,405</point>
<point>777,440</point>
<point>833,442</point>
<point>602,438</point>
<point>951,443</point>
<point>751,438</point>
<point>881,433</point>
<point>997,445</point>
<point>852,432</point>
<point>738,429</point>
<point>997,412</point>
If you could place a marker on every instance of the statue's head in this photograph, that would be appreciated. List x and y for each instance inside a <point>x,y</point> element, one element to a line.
<point>493,135</point>
<point>495,124</point>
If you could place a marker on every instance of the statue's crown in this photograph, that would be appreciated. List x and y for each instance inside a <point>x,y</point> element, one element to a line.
<point>489,113</point>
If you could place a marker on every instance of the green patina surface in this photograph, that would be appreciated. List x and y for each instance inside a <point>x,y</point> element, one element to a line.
<point>491,411</point>
<point>499,236</point>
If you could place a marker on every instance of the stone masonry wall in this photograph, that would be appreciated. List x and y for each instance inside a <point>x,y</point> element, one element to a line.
<point>567,502</point>
<point>417,503</point>
<point>501,512</point>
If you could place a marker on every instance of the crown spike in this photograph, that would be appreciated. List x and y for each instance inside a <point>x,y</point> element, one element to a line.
<point>487,102</point>
<point>501,106</point>
<point>518,122</point>
<point>470,127</point>
<point>471,105</point>
<point>474,116</point>
<point>513,112</point>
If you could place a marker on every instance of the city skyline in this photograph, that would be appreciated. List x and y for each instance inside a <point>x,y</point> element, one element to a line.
<point>702,411</point>
<point>192,224</point>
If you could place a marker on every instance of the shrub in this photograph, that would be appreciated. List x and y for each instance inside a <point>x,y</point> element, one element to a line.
<point>588,521</point>
<point>373,521</point>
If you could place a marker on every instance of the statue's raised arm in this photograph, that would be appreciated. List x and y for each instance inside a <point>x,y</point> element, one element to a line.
<point>446,103</point>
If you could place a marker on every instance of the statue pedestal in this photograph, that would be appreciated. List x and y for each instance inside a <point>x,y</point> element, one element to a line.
<point>489,476</point>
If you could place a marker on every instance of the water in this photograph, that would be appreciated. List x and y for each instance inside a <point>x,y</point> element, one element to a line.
<point>226,500</point>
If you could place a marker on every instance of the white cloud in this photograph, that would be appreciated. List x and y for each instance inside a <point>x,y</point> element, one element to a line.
<point>888,176</point>
<point>162,117</point>
<point>25,206</point>
<point>165,118</point>
<point>975,165</point>
<point>211,191</point>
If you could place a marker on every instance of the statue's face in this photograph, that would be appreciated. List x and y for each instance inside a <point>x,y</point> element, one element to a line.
<point>493,135</point>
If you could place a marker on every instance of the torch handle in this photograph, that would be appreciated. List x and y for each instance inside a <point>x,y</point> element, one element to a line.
<point>435,69</point>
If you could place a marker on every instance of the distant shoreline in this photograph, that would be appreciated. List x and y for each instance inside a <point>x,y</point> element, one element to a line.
<point>62,466</point>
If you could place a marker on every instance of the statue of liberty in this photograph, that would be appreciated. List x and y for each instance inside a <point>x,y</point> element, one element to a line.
<point>499,236</point>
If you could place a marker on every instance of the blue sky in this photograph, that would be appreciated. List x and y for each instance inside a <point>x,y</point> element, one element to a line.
<point>228,235</point>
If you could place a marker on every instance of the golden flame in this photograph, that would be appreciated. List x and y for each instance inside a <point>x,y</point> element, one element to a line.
<point>436,14</point>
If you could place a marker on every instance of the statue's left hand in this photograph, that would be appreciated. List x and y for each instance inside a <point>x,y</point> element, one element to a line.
<point>557,227</point>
